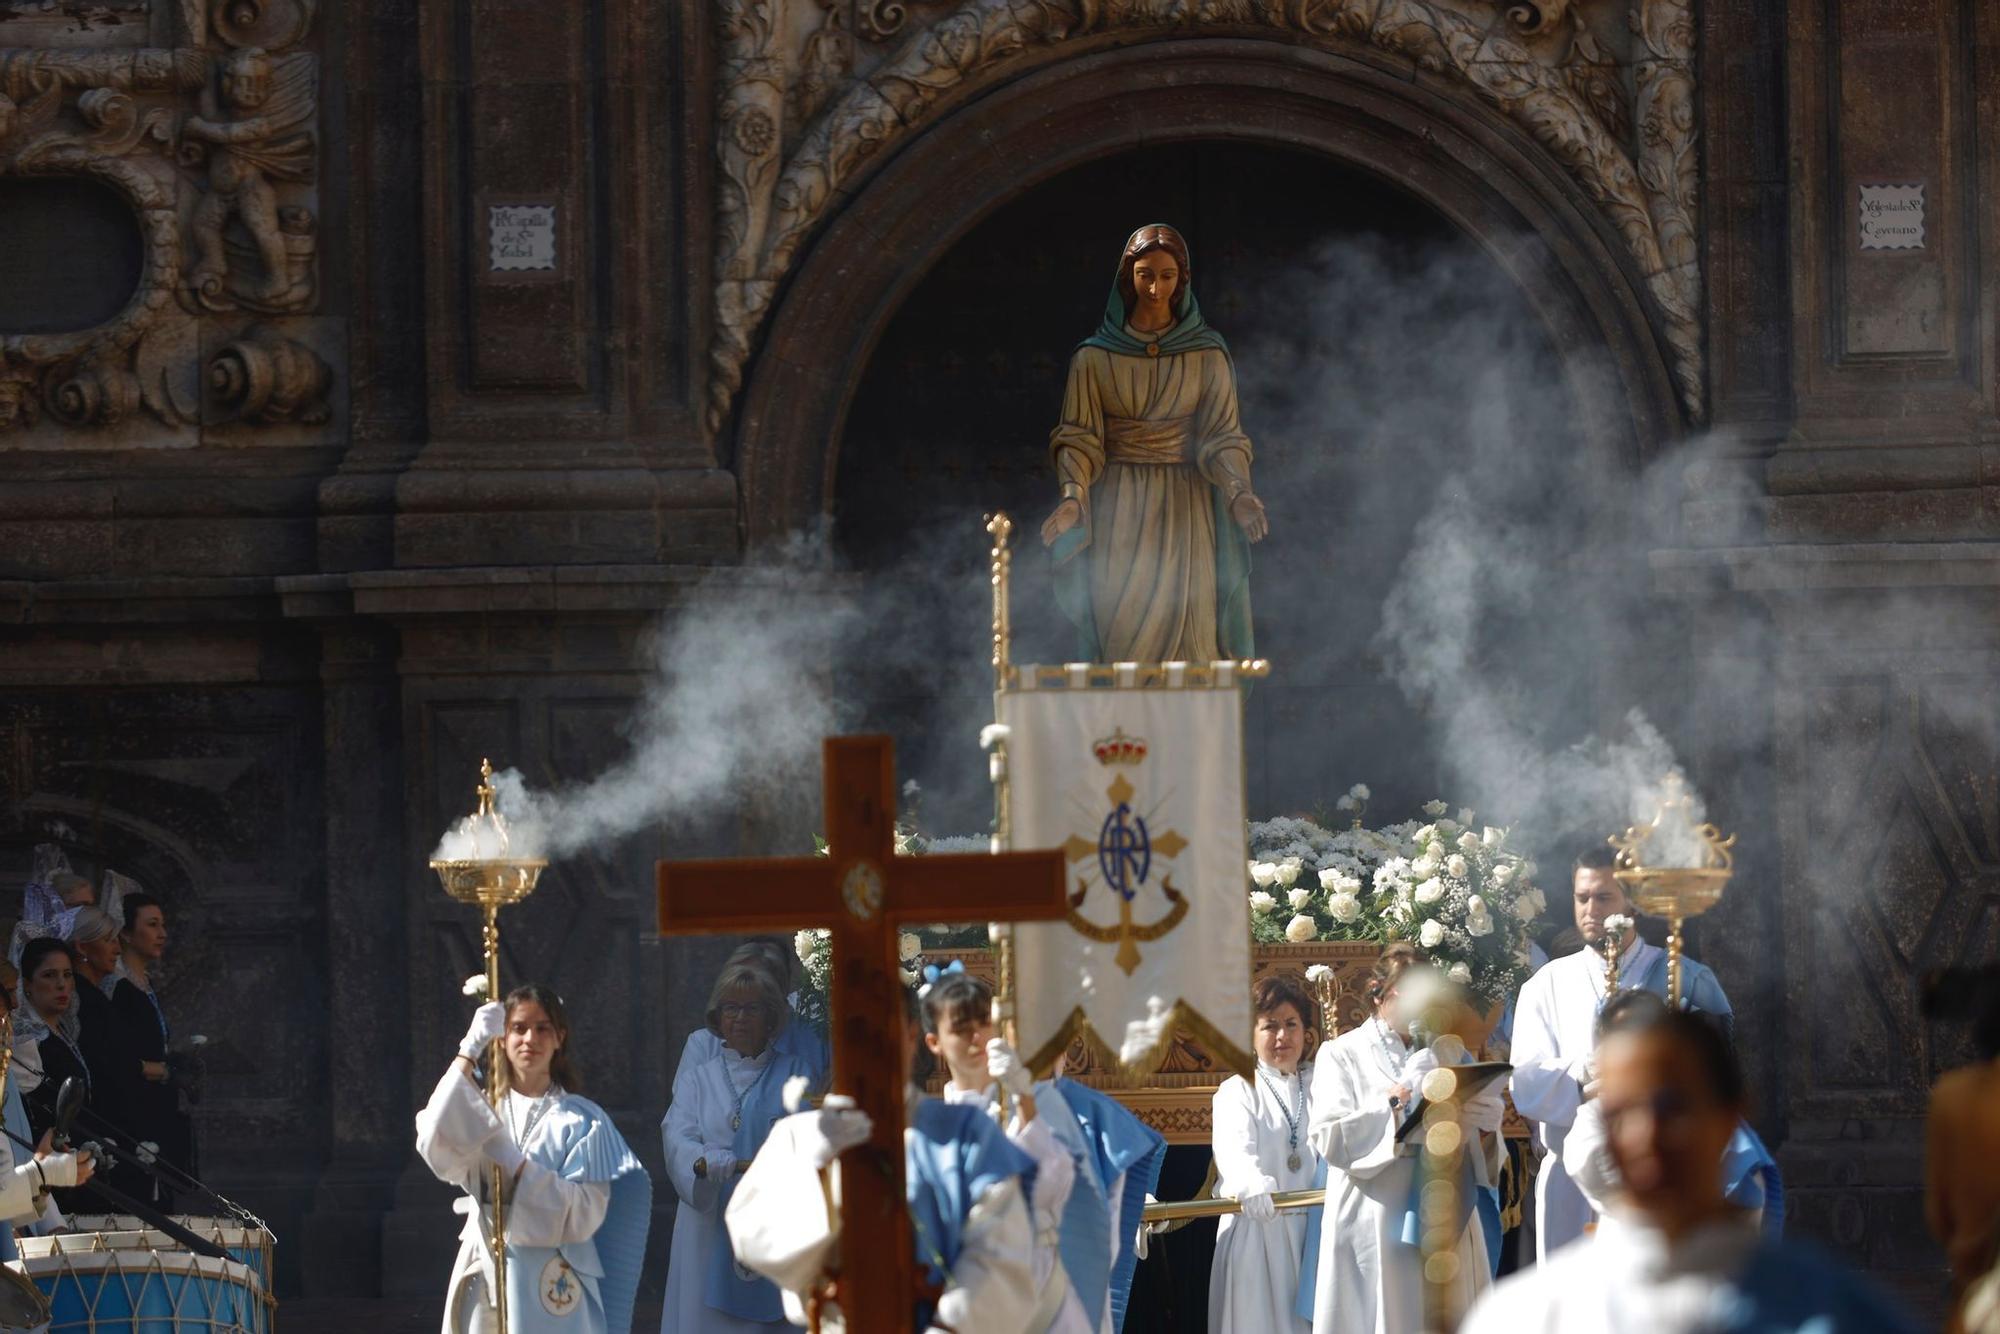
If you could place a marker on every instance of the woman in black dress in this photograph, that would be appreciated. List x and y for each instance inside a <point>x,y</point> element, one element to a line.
<point>154,1111</point>
<point>47,1050</point>
<point>114,1070</point>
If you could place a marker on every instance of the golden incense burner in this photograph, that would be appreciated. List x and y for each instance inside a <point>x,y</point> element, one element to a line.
<point>491,883</point>
<point>1674,892</point>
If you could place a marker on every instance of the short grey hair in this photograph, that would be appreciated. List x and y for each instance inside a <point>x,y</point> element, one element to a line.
<point>740,974</point>
<point>93,924</point>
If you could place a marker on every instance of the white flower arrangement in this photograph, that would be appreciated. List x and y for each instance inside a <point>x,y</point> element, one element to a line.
<point>1299,898</point>
<point>1318,973</point>
<point>1301,929</point>
<point>474,986</point>
<point>1467,898</point>
<point>908,946</point>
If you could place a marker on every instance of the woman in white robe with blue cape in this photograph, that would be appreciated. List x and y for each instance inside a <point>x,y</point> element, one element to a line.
<point>1095,1161</point>
<point>577,1202</point>
<point>969,1193</point>
<point>728,1092</point>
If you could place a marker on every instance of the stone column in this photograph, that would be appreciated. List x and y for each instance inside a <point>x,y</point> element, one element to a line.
<point>366,1000</point>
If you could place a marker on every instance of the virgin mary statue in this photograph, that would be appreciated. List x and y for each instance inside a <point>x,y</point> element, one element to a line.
<point>1152,537</point>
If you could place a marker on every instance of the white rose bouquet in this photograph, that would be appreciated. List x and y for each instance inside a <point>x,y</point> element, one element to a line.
<point>1466,897</point>
<point>1310,883</point>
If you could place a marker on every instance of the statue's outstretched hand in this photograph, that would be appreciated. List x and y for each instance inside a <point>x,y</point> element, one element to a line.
<point>1248,511</point>
<point>1066,516</point>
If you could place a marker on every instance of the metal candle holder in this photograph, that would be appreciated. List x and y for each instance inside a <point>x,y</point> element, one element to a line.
<point>1674,892</point>
<point>491,883</point>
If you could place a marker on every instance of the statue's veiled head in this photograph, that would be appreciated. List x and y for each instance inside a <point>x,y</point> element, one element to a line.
<point>1156,260</point>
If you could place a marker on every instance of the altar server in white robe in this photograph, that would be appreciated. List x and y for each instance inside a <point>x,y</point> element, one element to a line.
<point>969,1192</point>
<point>1555,1034</point>
<point>1095,1162</point>
<point>728,1093</point>
<point>1683,1260</point>
<point>957,1012</point>
<point>1261,1135</point>
<point>1750,1177</point>
<point>1370,1270</point>
<point>577,1202</point>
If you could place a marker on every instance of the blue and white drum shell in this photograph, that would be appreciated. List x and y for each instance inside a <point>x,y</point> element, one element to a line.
<point>131,1291</point>
<point>248,1246</point>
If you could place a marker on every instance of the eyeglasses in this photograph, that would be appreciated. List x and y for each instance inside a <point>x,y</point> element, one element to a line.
<point>733,1011</point>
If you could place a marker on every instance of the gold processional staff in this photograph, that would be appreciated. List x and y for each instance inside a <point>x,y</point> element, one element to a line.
<point>491,883</point>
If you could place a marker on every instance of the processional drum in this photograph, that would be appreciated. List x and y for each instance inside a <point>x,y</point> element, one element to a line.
<point>95,1288</point>
<point>249,1246</point>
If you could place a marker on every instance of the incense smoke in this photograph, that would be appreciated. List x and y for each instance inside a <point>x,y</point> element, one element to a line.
<point>744,682</point>
<point>1440,442</point>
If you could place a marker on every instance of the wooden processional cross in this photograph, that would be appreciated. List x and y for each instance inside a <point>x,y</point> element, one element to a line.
<point>866,894</point>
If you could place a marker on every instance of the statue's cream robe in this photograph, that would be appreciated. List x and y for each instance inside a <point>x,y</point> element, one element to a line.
<point>1150,438</point>
<point>1253,1281</point>
<point>1370,1281</point>
<point>1555,1034</point>
<point>1058,1311</point>
<point>780,1226</point>
<point>543,1208</point>
<point>708,1085</point>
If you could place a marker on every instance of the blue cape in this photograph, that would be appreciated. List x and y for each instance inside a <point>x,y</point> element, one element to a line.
<point>1793,1289</point>
<point>954,1155</point>
<point>725,1288</point>
<point>1750,1179</point>
<point>600,1153</point>
<point>1110,1142</point>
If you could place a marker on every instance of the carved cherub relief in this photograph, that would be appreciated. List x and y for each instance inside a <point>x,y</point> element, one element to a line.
<point>262,134</point>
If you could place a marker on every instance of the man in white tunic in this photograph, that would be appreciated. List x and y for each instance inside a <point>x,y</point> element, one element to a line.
<point>783,1219</point>
<point>1370,1278</point>
<point>1683,1260</point>
<point>1261,1135</point>
<point>1555,1025</point>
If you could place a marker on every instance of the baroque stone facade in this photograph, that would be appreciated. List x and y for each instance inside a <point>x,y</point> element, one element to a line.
<point>468,340</point>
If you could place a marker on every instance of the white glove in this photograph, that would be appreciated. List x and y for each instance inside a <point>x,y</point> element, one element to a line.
<point>1415,1066</point>
<point>489,1021</point>
<point>58,1169</point>
<point>1143,1243</point>
<point>1006,1068</point>
<point>718,1162</point>
<point>1257,1203</point>
<point>841,1126</point>
<point>501,1149</point>
<point>1485,1108</point>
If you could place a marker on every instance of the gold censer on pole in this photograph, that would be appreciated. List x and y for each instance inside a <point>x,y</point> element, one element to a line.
<point>1674,892</point>
<point>491,882</point>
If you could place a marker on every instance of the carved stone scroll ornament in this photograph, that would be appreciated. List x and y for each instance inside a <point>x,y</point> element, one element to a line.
<point>266,377</point>
<point>1574,109</point>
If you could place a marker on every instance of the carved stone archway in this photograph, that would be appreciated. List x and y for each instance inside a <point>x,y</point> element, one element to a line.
<point>1428,136</point>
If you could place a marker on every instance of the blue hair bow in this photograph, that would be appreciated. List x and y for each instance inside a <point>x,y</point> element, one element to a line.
<point>932,973</point>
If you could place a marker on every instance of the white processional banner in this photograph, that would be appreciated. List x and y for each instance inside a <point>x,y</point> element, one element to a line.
<point>1142,790</point>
